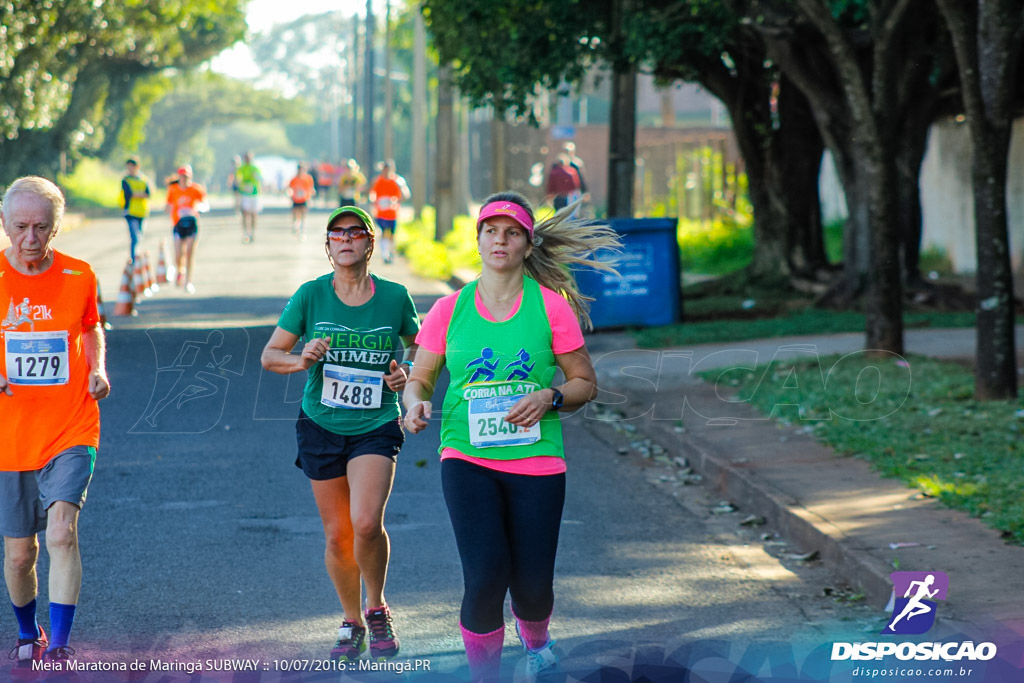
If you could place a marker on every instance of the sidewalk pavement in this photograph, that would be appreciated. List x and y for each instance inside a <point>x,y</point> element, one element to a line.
<point>818,501</point>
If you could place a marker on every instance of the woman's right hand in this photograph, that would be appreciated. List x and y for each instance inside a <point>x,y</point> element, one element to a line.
<point>416,418</point>
<point>313,352</point>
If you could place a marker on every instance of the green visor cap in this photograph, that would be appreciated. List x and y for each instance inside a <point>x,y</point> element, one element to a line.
<point>355,211</point>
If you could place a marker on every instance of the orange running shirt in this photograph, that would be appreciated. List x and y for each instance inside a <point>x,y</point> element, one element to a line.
<point>388,195</point>
<point>43,359</point>
<point>184,200</point>
<point>301,187</point>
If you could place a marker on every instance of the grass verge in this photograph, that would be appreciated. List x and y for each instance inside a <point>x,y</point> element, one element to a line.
<point>792,323</point>
<point>439,260</point>
<point>914,419</point>
<point>94,188</point>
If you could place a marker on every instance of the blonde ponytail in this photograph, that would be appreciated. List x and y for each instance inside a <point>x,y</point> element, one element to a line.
<point>559,244</point>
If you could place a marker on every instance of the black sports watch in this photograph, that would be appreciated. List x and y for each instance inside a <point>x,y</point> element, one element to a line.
<point>557,400</point>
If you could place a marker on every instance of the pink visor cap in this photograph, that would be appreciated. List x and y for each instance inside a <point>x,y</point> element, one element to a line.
<point>510,209</point>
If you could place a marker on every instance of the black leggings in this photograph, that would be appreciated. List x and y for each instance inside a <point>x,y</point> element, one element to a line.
<point>506,527</point>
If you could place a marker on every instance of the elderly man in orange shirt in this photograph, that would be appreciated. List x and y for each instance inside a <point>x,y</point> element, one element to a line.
<point>52,373</point>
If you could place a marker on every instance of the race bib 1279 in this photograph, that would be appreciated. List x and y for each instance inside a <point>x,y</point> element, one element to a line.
<point>37,358</point>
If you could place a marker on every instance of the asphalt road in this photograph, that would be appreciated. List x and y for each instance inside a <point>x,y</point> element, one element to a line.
<point>201,542</point>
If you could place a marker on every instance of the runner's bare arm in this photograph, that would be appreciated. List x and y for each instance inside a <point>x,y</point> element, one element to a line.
<point>277,355</point>
<point>579,388</point>
<point>419,389</point>
<point>398,373</point>
<point>5,388</point>
<point>95,347</point>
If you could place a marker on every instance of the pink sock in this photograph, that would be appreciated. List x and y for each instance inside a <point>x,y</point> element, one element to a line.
<point>534,634</point>
<point>483,652</point>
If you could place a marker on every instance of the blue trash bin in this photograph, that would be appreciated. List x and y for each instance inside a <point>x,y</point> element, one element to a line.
<point>646,291</point>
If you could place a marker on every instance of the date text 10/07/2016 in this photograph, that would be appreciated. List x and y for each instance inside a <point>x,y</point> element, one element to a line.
<point>232,665</point>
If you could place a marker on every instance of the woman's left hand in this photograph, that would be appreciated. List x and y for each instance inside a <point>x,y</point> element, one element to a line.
<point>396,377</point>
<point>528,410</point>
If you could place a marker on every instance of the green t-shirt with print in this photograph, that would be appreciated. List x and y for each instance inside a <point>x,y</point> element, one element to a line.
<point>345,392</point>
<point>249,179</point>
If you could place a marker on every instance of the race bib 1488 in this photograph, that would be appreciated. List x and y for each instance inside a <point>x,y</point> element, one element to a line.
<point>351,388</point>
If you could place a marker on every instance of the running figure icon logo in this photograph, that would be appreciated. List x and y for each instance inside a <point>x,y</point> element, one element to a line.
<point>522,366</point>
<point>488,362</point>
<point>485,366</point>
<point>190,393</point>
<point>914,612</point>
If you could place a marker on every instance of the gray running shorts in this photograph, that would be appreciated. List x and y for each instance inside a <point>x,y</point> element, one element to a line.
<point>26,496</point>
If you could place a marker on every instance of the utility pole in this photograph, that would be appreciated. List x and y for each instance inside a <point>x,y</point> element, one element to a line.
<point>499,145</point>
<point>389,133</point>
<point>622,128</point>
<point>357,151</point>
<point>419,115</point>
<point>444,172</point>
<point>461,131</point>
<point>368,94</point>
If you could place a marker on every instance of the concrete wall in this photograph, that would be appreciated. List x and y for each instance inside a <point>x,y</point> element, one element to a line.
<point>946,194</point>
<point>947,202</point>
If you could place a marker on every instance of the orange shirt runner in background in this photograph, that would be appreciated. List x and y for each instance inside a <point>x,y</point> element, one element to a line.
<point>43,359</point>
<point>387,197</point>
<point>185,201</point>
<point>301,188</point>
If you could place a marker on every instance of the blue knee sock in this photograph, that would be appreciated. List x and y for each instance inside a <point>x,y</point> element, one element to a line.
<point>28,627</point>
<point>61,619</point>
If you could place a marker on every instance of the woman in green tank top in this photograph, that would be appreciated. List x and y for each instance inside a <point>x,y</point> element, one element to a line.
<point>503,339</point>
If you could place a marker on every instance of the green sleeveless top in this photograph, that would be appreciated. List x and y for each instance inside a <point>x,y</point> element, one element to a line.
<point>492,365</point>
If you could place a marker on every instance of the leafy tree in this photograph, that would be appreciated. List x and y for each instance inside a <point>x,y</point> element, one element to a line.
<point>503,54</point>
<point>989,38</point>
<point>317,56</point>
<point>860,64</point>
<point>308,54</point>
<point>695,40</point>
<point>181,120</point>
<point>68,66</point>
<point>704,42</point>
<point>517,47</point>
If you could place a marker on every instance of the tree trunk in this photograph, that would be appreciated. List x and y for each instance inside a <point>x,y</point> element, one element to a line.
<point>622,142</point>
<point>995,375</point>
<point>419,116</point>
<point>910,150</point>
<point>987,39</point>
<point>444,171</point>
<point>499,153</point>
<point>389,134</point>
<point>782,165</point>
<point>884,303</point>
<point>369,95</point>
<point>857,231</point>
<point>796,150</point>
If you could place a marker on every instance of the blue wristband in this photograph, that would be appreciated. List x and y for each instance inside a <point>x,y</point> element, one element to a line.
<point>409,363</point>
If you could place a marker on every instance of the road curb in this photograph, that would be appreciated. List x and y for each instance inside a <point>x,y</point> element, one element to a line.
<point>803,527</point>
<point>863,526</point>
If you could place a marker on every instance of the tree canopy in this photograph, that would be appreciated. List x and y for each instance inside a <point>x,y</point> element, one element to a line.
<point>180,121</point>
<point>502,53</point>
<point>68,66</point>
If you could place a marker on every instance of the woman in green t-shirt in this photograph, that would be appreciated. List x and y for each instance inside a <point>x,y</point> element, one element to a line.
<point>358,330</point>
